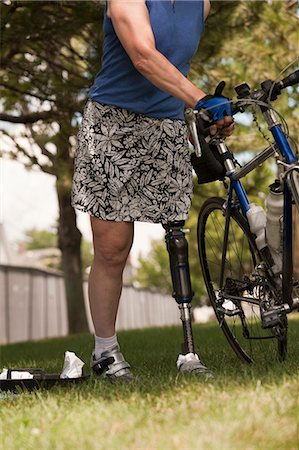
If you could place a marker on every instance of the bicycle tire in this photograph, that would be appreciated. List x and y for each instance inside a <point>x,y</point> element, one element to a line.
<point>210,235</point>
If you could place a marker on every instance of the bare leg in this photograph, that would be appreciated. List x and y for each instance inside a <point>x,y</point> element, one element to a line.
<point>112,243</point>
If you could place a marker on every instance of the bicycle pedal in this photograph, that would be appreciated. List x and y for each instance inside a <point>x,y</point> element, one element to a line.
<point>273,317</point>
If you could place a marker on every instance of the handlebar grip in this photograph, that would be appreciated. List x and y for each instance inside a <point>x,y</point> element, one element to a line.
<point>290,80</point>
<point>235,108</point>
<point>203,124</point>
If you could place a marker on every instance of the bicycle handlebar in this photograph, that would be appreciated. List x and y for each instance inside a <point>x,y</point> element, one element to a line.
<point>290,80</point>
<point>269,91</point>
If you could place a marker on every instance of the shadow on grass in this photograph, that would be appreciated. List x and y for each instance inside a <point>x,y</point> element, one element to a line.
<point>152,354</point>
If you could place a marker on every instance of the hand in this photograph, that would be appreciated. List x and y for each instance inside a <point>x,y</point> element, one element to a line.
<point>219,110</point>
<point>226,129</point>
<point>217,107</point>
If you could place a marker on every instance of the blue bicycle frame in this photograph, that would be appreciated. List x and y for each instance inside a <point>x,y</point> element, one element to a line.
<point>237,187</point>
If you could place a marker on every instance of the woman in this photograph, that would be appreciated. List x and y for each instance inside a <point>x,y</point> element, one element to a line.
<point>132,160</point>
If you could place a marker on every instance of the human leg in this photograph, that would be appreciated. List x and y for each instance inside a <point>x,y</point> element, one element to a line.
<point>112,243</point>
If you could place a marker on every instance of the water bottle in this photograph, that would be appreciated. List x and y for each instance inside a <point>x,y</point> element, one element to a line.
<point>257,222</point>
<point>274,227</point>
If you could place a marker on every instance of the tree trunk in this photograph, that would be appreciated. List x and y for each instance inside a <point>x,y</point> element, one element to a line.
<point>69,238</point>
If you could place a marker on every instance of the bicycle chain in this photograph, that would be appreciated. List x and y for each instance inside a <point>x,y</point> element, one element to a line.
<point>255,120</point>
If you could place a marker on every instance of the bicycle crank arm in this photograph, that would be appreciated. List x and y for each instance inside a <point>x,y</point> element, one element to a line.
<point>251,300</point>
<point>229,312</point>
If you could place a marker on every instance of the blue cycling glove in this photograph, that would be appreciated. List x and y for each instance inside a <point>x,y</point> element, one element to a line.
<point>217,105</point>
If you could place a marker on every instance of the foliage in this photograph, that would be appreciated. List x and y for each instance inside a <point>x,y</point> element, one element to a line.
<point>37,239</point>
<point>86,254</point>
<point>259,40</point>
<point>153,270</point>
<point>46,74</point>
<point>45,239</point>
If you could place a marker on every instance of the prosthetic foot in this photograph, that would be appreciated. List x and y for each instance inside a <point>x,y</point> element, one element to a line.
<point>188,361</point>
<point>177,246</point>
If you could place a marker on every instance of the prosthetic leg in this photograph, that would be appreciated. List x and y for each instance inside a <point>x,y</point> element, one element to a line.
<point>177,247</point>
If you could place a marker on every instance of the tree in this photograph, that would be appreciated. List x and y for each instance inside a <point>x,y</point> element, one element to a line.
<point>45,239</point>
<point>50,53</point>
<point>153,270</point>
<point>259,39</point>
<point>37,239</point>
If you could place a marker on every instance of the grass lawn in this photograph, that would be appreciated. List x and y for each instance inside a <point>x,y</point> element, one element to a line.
<point>244,407</point>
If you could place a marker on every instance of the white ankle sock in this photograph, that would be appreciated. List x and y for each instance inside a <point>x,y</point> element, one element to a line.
<point>104,344</point>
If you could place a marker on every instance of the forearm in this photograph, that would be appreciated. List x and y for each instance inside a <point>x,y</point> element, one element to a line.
<point>165,76</point>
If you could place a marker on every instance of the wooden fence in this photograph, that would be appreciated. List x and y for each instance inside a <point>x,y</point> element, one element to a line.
<point>33,306</point>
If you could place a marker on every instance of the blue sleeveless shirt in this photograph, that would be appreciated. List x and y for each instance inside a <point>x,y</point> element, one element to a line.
<point>177,30</point>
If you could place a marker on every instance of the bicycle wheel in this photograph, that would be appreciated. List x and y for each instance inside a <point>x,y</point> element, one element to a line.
<point>236,283</point>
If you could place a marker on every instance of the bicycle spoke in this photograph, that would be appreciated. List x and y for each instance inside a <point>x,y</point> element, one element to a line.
<point>239,318</point>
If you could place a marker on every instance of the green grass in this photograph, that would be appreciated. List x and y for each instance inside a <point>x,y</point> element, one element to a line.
<point>244,407</point>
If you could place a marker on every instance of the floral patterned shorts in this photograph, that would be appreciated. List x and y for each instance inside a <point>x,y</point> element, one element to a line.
<point>129,167</point>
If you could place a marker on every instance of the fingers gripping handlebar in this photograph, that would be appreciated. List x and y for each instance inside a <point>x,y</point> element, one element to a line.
<point>199,122</point>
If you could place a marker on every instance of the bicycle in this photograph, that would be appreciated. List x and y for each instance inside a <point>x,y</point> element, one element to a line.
<point>249,281</point>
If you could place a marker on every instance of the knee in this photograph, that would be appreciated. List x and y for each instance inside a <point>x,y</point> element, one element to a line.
<point>112,242</point>
<point>111,253</point>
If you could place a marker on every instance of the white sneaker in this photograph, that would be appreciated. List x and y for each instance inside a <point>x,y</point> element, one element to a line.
<point>112,365</point>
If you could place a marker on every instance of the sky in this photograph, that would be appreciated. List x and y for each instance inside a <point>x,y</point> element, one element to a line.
<point>28,200</point>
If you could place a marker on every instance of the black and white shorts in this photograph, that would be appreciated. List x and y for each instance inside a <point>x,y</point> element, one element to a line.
<point>129,167</point>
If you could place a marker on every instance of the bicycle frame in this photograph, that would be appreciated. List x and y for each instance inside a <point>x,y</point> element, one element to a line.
<point>248,276</point>
<point>236,186</point>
